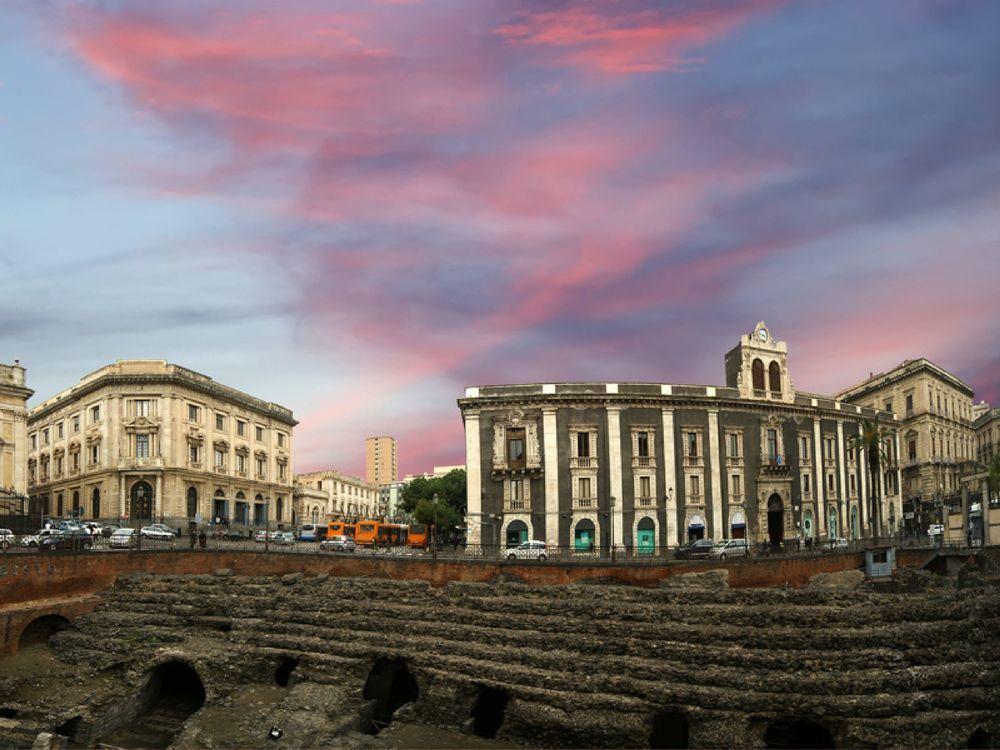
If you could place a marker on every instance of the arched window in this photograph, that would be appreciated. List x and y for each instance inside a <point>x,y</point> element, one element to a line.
<point>96,503</point>
<point>774,376</point>
<point>142,502</point>
<point>192,502</point>
<point>315,515</point>
<point>76,502</point>
<point>757,369</point>
<point>59,505</point>
<point>279,508</point>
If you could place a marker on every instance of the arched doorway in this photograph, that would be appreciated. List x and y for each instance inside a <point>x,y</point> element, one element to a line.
<point>259,510</point>
<point>389,685</point>
<point>220,509</point>
<point>279,508</point>
<point>96,504</point>
<point>645,537</point>
<point>76,503</point>
<point>41,629</point>
<point>738,526</point>
<point>807,523</point>
<point>242,510</point>
<point>775,520</point>
<point>696,528</point>
<point>59,505</point>
<point>517,532</point>
<point>142,502</point>
<point>831,522</point>
<point>192,502</point>
<point>583,535</point>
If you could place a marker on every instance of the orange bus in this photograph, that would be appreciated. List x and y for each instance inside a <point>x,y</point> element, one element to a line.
<point>369,532</point>
<point>418,535</point>
<point>339,528</point>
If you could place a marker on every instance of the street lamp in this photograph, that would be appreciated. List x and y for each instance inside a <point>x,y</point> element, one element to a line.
<point>267,525</point>
<point>611,525</point>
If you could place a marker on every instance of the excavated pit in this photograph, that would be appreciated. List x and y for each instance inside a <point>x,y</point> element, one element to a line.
<point>506,662</point>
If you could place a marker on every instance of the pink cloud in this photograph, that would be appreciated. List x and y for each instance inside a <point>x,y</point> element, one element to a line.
<point>621,38</point>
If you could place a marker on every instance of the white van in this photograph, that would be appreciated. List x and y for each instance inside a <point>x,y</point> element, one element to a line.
<point>307,532</point>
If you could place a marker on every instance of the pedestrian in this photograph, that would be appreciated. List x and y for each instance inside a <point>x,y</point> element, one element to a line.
<point>202,539</point>
<point>194,536</point>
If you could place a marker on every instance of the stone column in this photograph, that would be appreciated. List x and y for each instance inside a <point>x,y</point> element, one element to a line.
<point>670,477</point>
<point>713,456</point>
<point>882,508</point>
<point>845,513</point>
<point>615,473</point>
<point>899,481</point>
<point>862,486</point>
<point>474,479</point>
<point>820,479</point>
<point>551,460</point>
<point>158,498</point>
<point>121,496</point>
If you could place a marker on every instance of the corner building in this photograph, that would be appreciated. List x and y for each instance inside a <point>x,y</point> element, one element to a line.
<point>147,440</point>
<point>648,466</point>
<point>14,395</point>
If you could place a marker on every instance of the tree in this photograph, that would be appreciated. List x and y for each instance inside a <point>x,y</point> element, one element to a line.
<point>870,442</point>
<point>441,515</point>
<point>450,490</point>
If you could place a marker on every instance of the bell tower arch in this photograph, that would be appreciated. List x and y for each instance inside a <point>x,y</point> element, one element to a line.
<point>758,367</point>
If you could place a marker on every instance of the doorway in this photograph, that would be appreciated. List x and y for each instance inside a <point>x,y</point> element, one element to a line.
<point>142,502</point>
<point>583,536</point>
<point>775,520</point>
<point>645,536</point>
<point>517,532</point>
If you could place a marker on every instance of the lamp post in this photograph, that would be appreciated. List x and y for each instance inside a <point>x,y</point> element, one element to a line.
<point>666,516</point>
<point>611,525</point>
<point>267,525</point>
<point>434,528</point>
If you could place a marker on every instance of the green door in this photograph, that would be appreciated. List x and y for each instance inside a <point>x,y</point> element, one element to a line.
<point>646,541</point>
<point>583,539</point>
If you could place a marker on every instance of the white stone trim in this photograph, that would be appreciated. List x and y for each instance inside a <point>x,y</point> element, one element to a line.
<point>615,471</point>
<point>472,392</point>
<point>611,387</point>
<point>474,481</point>
<point>651,514</point>
<point>819,480</point>
<point>508,519</point>
<point>670,476</point>
<point>713,454</point>
<point>666,390</point>
<point>592,516</point>
<point>709,390</point>
<point>551,459</point>
<point>844,491</point>
<point>548,388</point>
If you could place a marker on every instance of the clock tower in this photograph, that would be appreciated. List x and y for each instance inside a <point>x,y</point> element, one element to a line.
<point>758,367</point>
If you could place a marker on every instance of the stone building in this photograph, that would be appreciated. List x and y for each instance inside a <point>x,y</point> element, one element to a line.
<point>935,413</point>
<point>381,460</point>
<point>14,395</point>
<point>145,439</point>
<point>324,496</point>
<point>987,431</point>
<point>652,465</point>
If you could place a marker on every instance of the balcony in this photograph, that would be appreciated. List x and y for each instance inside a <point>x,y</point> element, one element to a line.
<point>643,462</point>
<point>582,462</point>
<point>645,502</point>
<point>133,463</point>
<point>584,503</point>
<point>773,465</point>
<point>693,461</point>
<point>695,499</point>
<point>736,499</point>
<point>516,505</point>
<point>220,469</point>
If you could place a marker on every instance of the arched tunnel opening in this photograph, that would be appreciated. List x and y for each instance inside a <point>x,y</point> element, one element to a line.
<point>283,674</point>
<point>172,693</point>
<point>69,729</point>
<point>670,730</point>
<point>389,686</point>
<point>488,711</point>
<point>981,739</point>
<point>798,734</point>
<point>41,629</point>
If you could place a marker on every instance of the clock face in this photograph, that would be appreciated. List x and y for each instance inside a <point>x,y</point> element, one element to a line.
<point>762,334</point>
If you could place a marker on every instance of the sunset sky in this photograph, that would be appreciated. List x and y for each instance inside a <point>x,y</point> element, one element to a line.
<point>356,209</point>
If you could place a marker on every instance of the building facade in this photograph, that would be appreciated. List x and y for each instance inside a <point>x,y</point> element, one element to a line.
<point>391,497</point>
<point>987,434</point>
<point>436,473</point>
<point>647,466</point>
<point>324,496</point>
<point>381,460</point>
<point>935,412</point>
<point>14,395</point>
<point>143,440</point>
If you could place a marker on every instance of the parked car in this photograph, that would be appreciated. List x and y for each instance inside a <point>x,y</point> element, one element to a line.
<point>108,529</point>
<point>123,538</point>
<point>529,550</point>
<point>94,528</point>
<point>157,532</point>
<point>935,528</point>
<point>6,538</point>
<point>836,543</point>
<point>731,548</point>
<point>78,538</point>
<point>34,540</point>
<point>282,538</point>
<point>699,548</point>
<point>339,543</point>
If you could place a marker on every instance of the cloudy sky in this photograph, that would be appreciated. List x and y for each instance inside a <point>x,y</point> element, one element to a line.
<point>357,208</point>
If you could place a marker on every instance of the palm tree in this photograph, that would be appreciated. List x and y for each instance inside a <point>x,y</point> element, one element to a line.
<point>871,442</point>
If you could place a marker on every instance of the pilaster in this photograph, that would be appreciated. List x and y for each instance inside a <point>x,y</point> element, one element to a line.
<point>670,477</point>
<point>615,473</point>
<point>474,479</point>
<point>713,454</point>
<point>819,481</point>
<point>845,514</point>
<point>551,460</point>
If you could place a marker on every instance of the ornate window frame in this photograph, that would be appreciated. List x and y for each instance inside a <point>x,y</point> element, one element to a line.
<point>517,419</point>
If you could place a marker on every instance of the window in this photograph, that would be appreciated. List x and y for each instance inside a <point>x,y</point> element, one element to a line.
<point>515,448</point>
<point>772,445</point>
<point>803,448</point>
<point>695,482</point>
<point>260,435</point>
<point>58,467</point>
<point>853,490</point>
<point>260,467</point>
<point>911,449</point>
<point>909,404</point>
<point>220,458</point>
<point>281,439</point>
<point>220,422</point>
<point>59,431</point>
<point>583,487</point>
<point>94,455</point>
<point>888,406</point>
<point>241,427</point>
<point>692,443</point>
<point>34,441</point>
<point>241,462</point>
<point>142,446</point>
<point>193,453</point>
<point>193,413</point>
<point>583,444</point>
<point>95,414</point>
<point>76,461</point>
<point>805,483</point>
<point>734,445</point>
<point>642,444</point>
<point>829,482</point>
<point>757,370</point>
<point>735,483</point>
<point>281,470</point>
<point>774,377</point>
<point>76,423</point>
<point>45,436</point>
<point>142,408</point>
<point>644,487</point>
